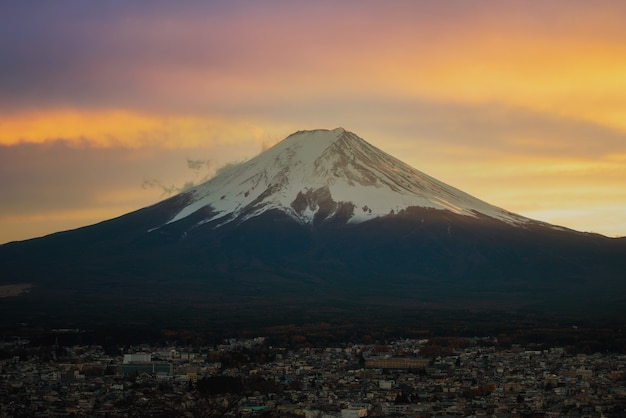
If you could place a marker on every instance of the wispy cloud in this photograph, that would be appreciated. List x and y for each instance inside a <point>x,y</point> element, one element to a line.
<point>201,170</point>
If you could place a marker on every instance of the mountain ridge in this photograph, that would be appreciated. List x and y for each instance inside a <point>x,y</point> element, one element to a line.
<point>331,169</point>
<point>291,246</point>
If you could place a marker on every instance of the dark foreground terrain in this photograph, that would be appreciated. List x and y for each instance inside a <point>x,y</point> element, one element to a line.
<point>584,335</point>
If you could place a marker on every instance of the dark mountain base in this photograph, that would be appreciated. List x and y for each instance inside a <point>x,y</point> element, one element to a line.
<point>271,271</point>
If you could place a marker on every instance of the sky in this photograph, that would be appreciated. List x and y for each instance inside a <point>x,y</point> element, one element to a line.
<point>107,107</point>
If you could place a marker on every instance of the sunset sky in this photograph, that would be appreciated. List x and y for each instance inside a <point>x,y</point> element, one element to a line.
<point>107,107</point>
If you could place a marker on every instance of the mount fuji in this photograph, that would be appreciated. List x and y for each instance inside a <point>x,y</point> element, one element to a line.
<point>313,176</point>
<point>321,224</point>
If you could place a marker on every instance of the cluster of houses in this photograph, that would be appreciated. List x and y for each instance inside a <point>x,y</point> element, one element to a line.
<point>351,380</point>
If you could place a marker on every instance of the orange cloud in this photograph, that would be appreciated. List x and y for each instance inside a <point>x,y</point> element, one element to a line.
<point>106,129</point>
<point>564,77</point>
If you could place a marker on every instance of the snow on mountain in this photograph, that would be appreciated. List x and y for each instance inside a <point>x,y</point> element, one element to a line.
<point>315,175</point>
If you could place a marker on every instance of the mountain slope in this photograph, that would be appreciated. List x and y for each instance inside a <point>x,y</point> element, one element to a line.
<point>321,224</point>
<point>314,175</point>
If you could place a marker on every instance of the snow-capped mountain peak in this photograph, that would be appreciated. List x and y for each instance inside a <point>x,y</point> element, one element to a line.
<point>317,175</point>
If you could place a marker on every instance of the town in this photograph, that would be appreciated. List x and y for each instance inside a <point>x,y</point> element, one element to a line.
<point>251,377</point>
